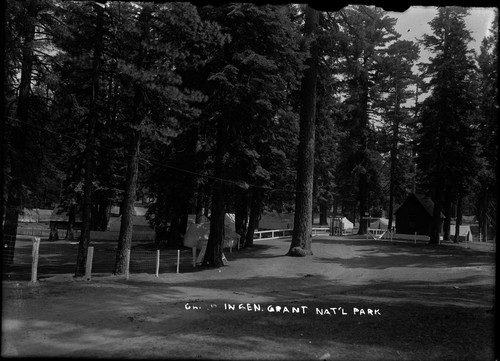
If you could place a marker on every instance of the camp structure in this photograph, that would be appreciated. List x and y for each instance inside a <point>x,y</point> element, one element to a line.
<point>197,233</point>
<point>141,228</point>
<point>340,226</point>
<point>381,223</point>
<point>414,215</point>
<point>59,219</point>
<point>196,236</point>
<point>464,233</point>
<point>139,220</point>
<point>35,215</point>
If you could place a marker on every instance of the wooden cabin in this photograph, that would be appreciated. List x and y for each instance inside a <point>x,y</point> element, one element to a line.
<point>415,215</point>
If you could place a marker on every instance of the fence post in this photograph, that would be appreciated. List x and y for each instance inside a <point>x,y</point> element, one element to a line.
<point>127,263</point>
<point>178,259</point>
<point>415,237</point>
<point>157,262</point>
<point>34,263</point>
<point>88,267</point>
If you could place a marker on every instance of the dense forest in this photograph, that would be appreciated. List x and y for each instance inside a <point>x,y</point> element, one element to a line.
<point>243,109</point>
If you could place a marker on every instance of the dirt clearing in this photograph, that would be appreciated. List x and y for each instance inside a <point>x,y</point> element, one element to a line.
<point>354,299</point>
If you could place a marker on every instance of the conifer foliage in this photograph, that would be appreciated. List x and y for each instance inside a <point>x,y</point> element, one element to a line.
<point>240,108</point>
<point>446,142</point>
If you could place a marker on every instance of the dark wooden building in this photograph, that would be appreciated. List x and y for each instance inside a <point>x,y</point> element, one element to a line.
<point>415,215</point>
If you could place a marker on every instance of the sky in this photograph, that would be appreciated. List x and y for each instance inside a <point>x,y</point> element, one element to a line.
<point>413,23</point>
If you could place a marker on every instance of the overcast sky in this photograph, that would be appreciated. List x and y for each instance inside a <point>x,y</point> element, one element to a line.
<point>413,23</point>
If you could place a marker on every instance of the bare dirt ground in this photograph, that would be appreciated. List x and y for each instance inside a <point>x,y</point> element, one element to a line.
<point>418,302</point>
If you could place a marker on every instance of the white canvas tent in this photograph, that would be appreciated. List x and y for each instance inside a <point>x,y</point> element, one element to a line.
<point>462,234</point>
<point>381,223</point>
<point>196,236</point>
<point>139,220</point>
<point>347,224</point>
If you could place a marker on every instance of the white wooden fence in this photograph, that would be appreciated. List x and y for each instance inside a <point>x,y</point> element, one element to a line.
<point>283,233</point>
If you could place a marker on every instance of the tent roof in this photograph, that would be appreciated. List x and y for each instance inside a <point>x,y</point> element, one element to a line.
<point>425,202</point>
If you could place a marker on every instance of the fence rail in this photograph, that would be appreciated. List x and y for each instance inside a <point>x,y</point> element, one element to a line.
<point>284,233</point>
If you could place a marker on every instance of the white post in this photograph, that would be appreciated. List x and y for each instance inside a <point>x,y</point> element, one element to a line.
<point>178,258</point>
<point>467,239</point>
<point>34,263</point>
<point>157,262</point>
<point>415,237</point>
<point>127,263</point>
<point>88,266</point>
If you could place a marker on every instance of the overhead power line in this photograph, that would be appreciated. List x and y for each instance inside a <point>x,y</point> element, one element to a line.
<point>158,163</point>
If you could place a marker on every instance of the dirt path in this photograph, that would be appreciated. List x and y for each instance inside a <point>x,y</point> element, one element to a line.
<point>355,299</point>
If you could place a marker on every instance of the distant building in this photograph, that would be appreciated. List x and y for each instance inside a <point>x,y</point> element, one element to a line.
<point>139,220</point>
<point>59,219</point>
<point>415,215</point>
<point>35,215</point>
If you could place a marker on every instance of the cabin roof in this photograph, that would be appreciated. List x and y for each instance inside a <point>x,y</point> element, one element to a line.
<point>426,203</point>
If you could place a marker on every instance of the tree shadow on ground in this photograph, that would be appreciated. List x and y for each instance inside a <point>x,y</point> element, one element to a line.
<point>434,318</point>
<point>382,255</point>
<point>419,319</point>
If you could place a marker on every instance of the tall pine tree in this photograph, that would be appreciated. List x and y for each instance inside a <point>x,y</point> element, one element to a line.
<point>444,143</point>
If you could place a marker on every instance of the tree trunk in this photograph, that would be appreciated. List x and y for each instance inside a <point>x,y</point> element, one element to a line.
<point>3,140</point>
<point>253,221</point>
<point>436,213</point>
<point>438,188</point>
<point>70,235</point>
<point>241,214</point>
<point>90,144</point>
<point>302,237</point>
<point>483,214</point>
<point>394,162</point>
<point>54,234</point>
<point>104,214</point>
<point>363,156</point>
<point>459,217</point>
<point>126,224</point>
<point>447,214</point>
<point>323,214</point>
<point>18,141</point>
<point>186,184</point>
<point>213,255</point>
<point>10,231</point>
<point>363,208</point>
<point>199,207</point>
